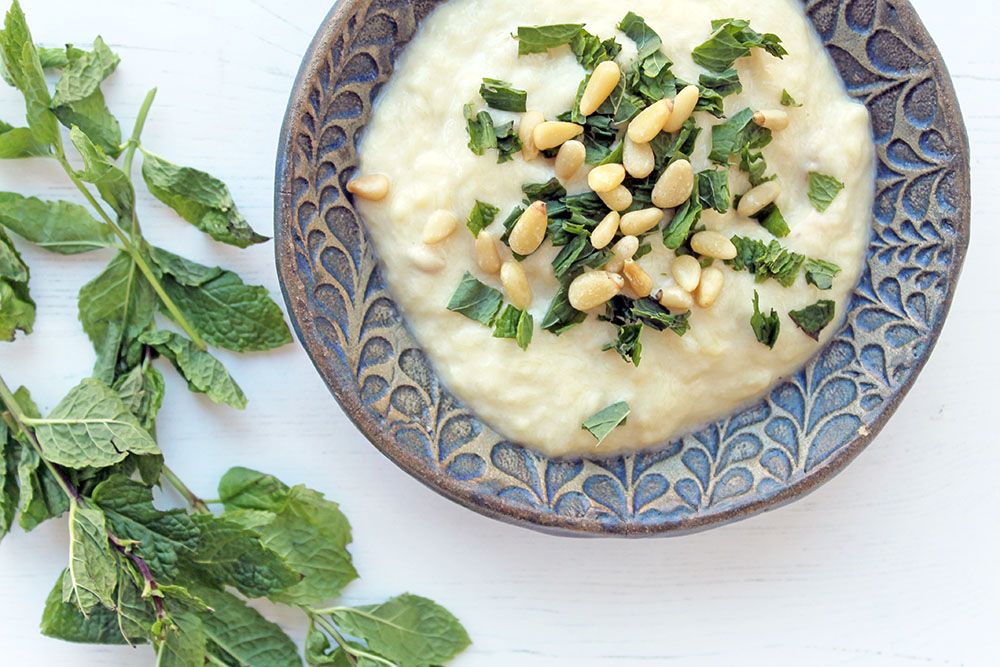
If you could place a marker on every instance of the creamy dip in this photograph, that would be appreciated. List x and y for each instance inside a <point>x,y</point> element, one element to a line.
<point>541,396</point>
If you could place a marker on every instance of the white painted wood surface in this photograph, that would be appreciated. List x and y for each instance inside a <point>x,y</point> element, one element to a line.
<point>892,562</point>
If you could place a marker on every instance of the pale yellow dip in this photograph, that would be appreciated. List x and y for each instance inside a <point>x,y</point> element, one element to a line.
<point>540,397</point>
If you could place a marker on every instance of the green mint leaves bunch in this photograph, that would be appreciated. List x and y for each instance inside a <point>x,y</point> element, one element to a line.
<point>176,578</point>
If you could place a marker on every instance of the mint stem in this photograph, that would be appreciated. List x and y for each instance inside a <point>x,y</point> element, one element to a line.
<point>140,122</point>
<point>352,652</point>
<point>196,503</point>
<point>140,565</point>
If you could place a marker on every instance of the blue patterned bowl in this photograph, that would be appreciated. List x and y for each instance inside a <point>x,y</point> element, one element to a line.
<point>787,443</point>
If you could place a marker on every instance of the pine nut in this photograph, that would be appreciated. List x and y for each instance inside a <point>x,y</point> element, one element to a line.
<point>525,129</point>
<point>649,122</point>
<point>640,222</point>
<point>684,105</point>
<point>675,185</point>
<point>554,133</point>
<point>602,83</point>
<point>439,226</point>
<point>626,247</point>
<point>686,272</point>
<point>529,230</point>
<point>618,199</point>
<point>637,279</point>
<point>710,287</point>
<point>428,260</point>
<point>605,230</point>
<point>515,282</point>
<point>713,244</point>
<point>759,197</point>
<point>373,186</point>
<point>675,298</point>
<point>772,119</point>
<point>606,178</point>
<point>487,253</point>
<point>593,289</point>
<point>569,159</point>
<point>638,158</point>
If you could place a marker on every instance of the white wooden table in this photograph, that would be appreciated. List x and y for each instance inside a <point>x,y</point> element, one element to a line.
<point>892,562</point>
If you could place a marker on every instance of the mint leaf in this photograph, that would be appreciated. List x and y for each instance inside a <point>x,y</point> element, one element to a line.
<point>590,51</point>
<point>787,100</point>
<point>770,218</point>
<point>141,390</point>
<point>481,216</point>
<point>91,427</point>
<point>83,73</point>
<point>184,271</point>
<point>185,642</point>
<point>59,226</point>
<point>502,95</point>
<point>685,216</point>
<point>627,344</point>
<point>732,39</point>
<point>713,189</point>
<point>602,423</point>
<point>766,328</point>
<point>242,488</point>
<point>766,260</point>
<point>480,128</point>
<point>92,116</point>
<point>203,372</point>
<point>112,183</point>
<point>539,39</point>
<point>92,573</point>
<point>723,83</point>
<point>517,324</point>
<point>408,629</point>
<point>20,61</point>
<point>199,198</point>
<point>61,620</point>
<point>820,273</point>
<point>475,300</point>
<point>161,536</point>
<point>735,135</point>
<point>814,318</point>
<point>823,190</point>
<point>550,190</point>
<point>17,309</point>
<point>508,142</point>
<point>561,316</point>
<point>10,493</point>
<point>20,142</point>
<point>525,330</point>
<point>41,497</point>
<point>755,166</point>
<point>646,40</point>
<point>53,58</point>
<point>230,314</point>
<point>576,255</point>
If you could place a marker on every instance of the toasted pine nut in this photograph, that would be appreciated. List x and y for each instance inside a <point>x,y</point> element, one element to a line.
<point>674,297</point>
<point>675,185</point>
<point>602,83</point>
<point>594,288</point>
<point>618,199</point>
<point>772,119</point>
<point>487,254</point>
<point>439,226</point>
<point>640,222</point>
<point>759,197</point>
<point>529,230</point>
<point>428,260</point>
<point>686,272</point>
<point>606,178</point>
<point>684,105</point>
<point>605,230</point>
<point>372,186</point>
<point>554,133</point>
<point>637,278</point>
<point>626,247</point>
<point>710,287</point>
<point>713,244</point>
<point>569,159</point>
<point>638,159</point>
<point>515,282</point>
<point>525,129</point>
<point>649,122</point>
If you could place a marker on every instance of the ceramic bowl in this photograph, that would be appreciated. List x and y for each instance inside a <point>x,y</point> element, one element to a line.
<point>803,431</point>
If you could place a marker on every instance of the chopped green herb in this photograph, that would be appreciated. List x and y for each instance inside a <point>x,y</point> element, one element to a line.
<point>766,261</point>
<point>561,316</point>
<point>591,51</point>
<point>733,39</point>
<point>541,38</point>
<point>820,273</point>
<point>713,189</point>
<point>770,218</point>
<point>480,127</point>
<point>550,190</point>
<point>766,328</point>
<point>576,255</point>
<point>502,95</point>
<point>724,83</point>
<point>627,343</point>
<point>525,329</point>
<point>646,40</point>
<point>787,100</point>
<point>508,142</point>
<point>644,249</point>
<point>755,166</point>
<point>735,135</point>
<point>601,424</point>
<point>686,215</point>
<point>814,318</point>
<point>475,300</point>
<point>616,156</point>
<point>481,217</point>
<point>823,190</point>
<point>508,224</point>
<point>515,323</point>
<point>621,310</point>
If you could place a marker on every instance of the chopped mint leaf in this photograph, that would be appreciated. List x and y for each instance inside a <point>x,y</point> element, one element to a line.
<point>481,217</point>
<point>770,218</point>
<point>475,300</point>
<point>515,323</point>
<point>508,142</point>
<point>713,189</point>
<point>601,424</point>
<point>735,135</point>
<point>724,83</point>
<point>627,343</point>
<point>820,273</point>
<point>766,261</point>
<point>591,51</point>
<point>646,40</point>
<point>755,166</point>
<point>814,318</point>
<point>643,250</point>
<point>823,190</point>
<point>561,316</point>
<point>766,328</point>
<point>548,191</point>
<point>686,215</point>
<point>787,100</point>
<point>480,128</point>
<point>621,311</point>
<point>502,95</point>
<point>733,39</point>
<point>576,255</point>
<point>541,38</point>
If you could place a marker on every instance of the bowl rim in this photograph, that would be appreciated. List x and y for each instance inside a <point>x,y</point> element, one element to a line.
<point>293,292</point>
